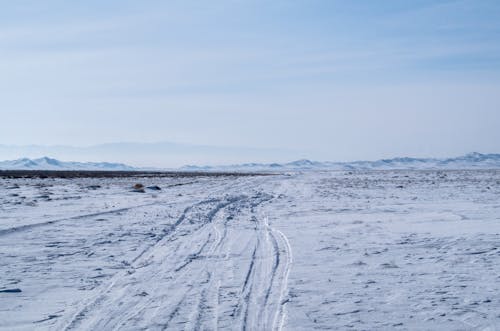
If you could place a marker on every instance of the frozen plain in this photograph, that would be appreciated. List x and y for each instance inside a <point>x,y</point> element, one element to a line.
<point>365,250</point>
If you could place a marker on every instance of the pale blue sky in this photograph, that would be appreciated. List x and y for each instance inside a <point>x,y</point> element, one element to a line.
<point>331,80</point>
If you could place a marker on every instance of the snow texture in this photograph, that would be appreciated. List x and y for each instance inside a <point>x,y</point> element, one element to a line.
<point>365,250</point>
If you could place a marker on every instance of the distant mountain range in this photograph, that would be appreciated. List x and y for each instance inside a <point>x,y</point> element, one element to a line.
<point>149,154</point>
<point>46,163</point>
<point>468,161</point>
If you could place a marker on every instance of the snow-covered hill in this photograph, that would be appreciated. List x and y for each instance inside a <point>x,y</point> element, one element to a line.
<point>468,161</point>
<point>46,163</point>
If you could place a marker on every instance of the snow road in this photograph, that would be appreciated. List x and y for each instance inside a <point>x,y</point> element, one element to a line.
<point>215,265</point>
<point>201,274</point>
<point>320,250</point>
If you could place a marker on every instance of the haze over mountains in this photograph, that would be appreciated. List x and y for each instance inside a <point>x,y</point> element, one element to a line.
<point>468,161</point>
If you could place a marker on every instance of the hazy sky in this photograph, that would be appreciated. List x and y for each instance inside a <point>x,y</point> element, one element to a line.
<point>333,80</point>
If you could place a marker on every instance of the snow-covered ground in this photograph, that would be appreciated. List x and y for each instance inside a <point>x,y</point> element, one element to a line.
<point>373,250</point>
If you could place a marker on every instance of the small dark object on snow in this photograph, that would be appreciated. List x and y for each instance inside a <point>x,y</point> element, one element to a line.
<point>139,188</point>
<point>154,188</point>
<point>11,290</point>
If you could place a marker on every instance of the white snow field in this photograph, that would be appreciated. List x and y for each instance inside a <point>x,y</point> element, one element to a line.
<point>365,250</point>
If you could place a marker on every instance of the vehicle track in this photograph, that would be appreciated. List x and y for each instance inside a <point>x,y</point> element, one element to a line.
<point>139,262</point>
<point>265,285</point>
<point>24,227</point>
<point>218,265</point>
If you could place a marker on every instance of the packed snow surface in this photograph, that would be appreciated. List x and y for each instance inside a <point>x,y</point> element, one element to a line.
<point>366,250</point>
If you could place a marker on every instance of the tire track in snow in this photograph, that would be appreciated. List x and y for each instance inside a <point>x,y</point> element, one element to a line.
<point>247,289</point>
<point>24,227</point>
<point>281,247</point>
<point>270,238</point>
<point>96,300</point>
<point>216,246</point>
<point>192,257</point>
<point>279,318</point>
<point>178,272</point>
<point>208,312</point>
<point>179,295</point>
<point>276,258</point>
